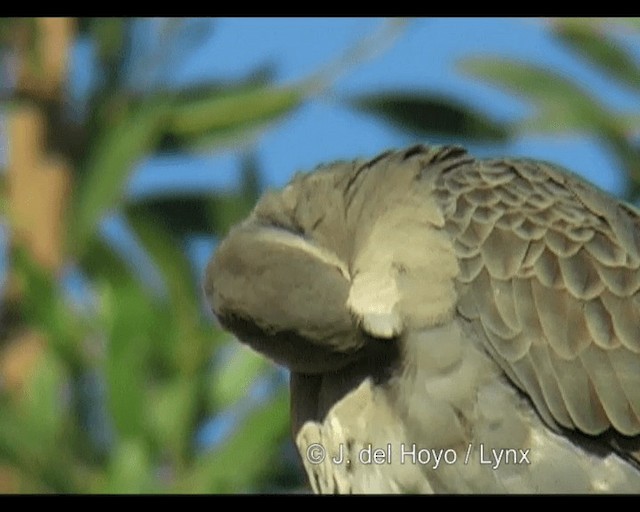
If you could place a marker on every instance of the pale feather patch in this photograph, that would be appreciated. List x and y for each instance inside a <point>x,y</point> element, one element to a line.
<point>440,382</point>
<point>361,420</point>
<point>554,466</point>
<point>444,369</point>
<point>436,349</point>
<point>403,273</point>
<point>494,427</point>
<point>424,301</point>
<point>287,239</point>
<point>374,299</point>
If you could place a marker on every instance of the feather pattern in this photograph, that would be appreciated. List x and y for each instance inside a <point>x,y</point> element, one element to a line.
<point>555,282</point>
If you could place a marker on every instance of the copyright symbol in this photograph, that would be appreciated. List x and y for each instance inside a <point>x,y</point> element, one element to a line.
<point>316,453</point>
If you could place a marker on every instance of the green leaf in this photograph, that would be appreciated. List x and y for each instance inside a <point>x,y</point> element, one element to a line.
<point>110,36</point>
<point>173,408</point>
<point>630,123</point>
<point>424,114</point>
<point>562,105</point>
<point>201,116</point>
<point>179,215</point>
<point>600,49</point>
<point>48,463</point>
<point>114,157</point>
<point>602,23</point>
<point>167,254</point>
<point>235,375</point>
<point>188,215</point>
<point>130,469</point>
<point>192,117</point>
<point>128,316</point>
<point>42,402</point>
<point>43,306</point>
<point>101,262</point>
<point>633,23</point>
<point>181,339</point>
<point>247,457</point>
<point>169,257</point>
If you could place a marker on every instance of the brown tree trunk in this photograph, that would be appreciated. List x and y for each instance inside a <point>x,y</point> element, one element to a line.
<point>38,184</point>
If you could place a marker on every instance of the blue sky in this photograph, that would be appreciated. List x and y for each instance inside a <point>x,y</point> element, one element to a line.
<point>423,58</point>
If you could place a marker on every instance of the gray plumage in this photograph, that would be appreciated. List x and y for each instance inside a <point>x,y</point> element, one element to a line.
<point>428,300</point>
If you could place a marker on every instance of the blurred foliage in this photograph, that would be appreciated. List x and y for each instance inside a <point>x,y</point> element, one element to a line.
<point>564,105</point>
<point>561,103</point>
<point>113,394</point>
<point>110,395</point>
<point>427,115</point>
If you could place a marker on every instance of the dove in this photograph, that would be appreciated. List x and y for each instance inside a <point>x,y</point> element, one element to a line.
<point>450,324</point>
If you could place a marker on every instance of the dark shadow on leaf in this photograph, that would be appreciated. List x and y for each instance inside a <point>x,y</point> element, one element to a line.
<point>428,115</point>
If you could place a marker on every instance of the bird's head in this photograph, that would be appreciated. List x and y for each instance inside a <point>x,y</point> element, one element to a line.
<point>280,279</point>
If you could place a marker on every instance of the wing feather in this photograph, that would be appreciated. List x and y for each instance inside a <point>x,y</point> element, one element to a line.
<point>580,396</point>
<point>550,272</point>
<point>609,390</point>
<point>545,374</point>
<point>625,316</point>
<point>580,275</point>
<point>627,369</point>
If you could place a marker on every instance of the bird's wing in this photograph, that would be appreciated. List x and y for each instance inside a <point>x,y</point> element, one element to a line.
<point>550,275</point>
